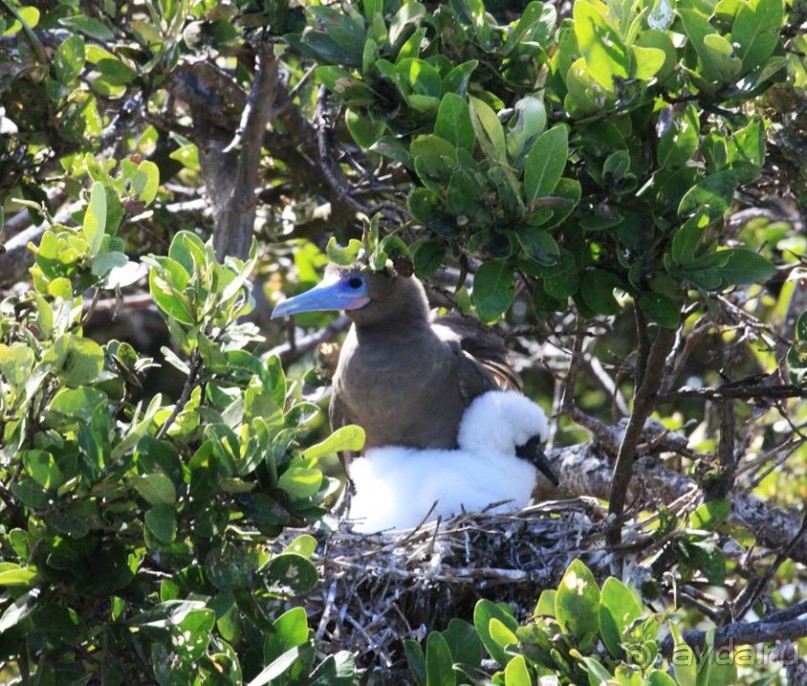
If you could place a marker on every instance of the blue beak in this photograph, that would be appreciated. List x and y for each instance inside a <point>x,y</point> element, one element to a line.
<point>334,293</point>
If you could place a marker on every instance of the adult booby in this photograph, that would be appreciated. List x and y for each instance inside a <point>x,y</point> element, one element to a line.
<point>404,377</point>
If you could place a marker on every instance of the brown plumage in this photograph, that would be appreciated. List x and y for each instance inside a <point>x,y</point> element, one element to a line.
<point>405,378</point>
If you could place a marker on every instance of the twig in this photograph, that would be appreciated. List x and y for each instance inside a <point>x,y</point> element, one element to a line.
<point>574,365</point>
<point>751,592</point>
<point>287,351</point>
<point>91,307</point>
<point>327,162</point>
<point>187,389</point>
<point>792,612</point>
<point>642,347</point>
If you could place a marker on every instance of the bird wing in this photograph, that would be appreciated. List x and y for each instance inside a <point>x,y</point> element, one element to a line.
<point>485,349</point>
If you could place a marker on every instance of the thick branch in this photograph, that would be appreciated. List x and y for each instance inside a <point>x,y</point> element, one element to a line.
<point>742,634</point>
<point>736,392</point>
<point>719,485</point>
<point>231,177</point>
<point>642,406</point>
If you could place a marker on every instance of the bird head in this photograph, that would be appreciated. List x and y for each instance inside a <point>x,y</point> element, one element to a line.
<point>499,421</point>
<point>366,295</point>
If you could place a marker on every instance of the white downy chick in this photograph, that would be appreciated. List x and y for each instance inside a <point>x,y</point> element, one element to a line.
<point>397,486</point>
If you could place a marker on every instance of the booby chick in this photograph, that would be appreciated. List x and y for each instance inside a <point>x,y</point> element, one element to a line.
<point>396,487</point>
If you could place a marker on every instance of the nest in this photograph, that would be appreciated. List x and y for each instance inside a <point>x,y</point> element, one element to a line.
<point>378,590</point>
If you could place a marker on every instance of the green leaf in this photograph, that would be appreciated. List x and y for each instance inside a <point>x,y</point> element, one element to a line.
<point>454,122</point>
<point>539,245</point>
<point>698,28</point>
<point>494,290</point>
<point>529,20</point>
<point>710,514</point>
<point>756,31</point>
<point>420,77</point>
<point>439,663</point>
<point>167,284</point>
<point>577,602</point>
<point>464,643</point>
<point>648,62</point>
<point>747,150</point>
<point>114,74</point>
<point>15,575</point>
<point>745,266</point>
<point>146,181</point>
<point>229,568</point>
<point>545,607</point>
<point>89,27</point>
<point>42,468</point>
<point>685,666</point>
<point>282,665</point>
<point>105,262</point>
<point>300,482</point>
<point>156,489</point>
<point>78,361</point>
<point>21,608</point>
<point>291,575</point>
<point>425,206</point>
<point>659,678</point>
<point>619,607</point>
<point>161,521</point>
<point>304,545</point>
<point>680,141</point>
<point>365,131</point>
<point>416,661</point>
<point>485,612</point>
<point>95,218</point>
<point>489,131</point>
<point>545,163</point>
<point>456,81</point>
<point>345,439</point>
<point>800,330</point>
<point>713,194</point>
<point>529,121</point>
<point>68,61</point>
<point>688,237</point>
<point>428,256</point>
<point>721,55</point>
<point>601,45</point>
<point>660,310</point>
<point>597,290</point>
<point>343,255</point>
<point>188,250</point>
<point>516,672</point>
<point>291,630</point>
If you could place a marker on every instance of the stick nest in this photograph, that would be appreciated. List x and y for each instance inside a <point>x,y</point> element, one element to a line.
<point>378,590</point>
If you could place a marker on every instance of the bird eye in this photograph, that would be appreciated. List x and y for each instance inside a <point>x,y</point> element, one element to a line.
<point>355,282</point>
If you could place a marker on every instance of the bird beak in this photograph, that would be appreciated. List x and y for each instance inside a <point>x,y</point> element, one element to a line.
<point>535,455</point>
<point>333,293</point>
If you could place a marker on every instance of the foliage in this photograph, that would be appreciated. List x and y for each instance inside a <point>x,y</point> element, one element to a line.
<point>578,633</point>
<point>636,210</point>
<point>137,534</point>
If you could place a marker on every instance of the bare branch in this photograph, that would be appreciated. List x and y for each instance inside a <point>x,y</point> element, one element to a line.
<point>741,634</point>
<point>642,406</point>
